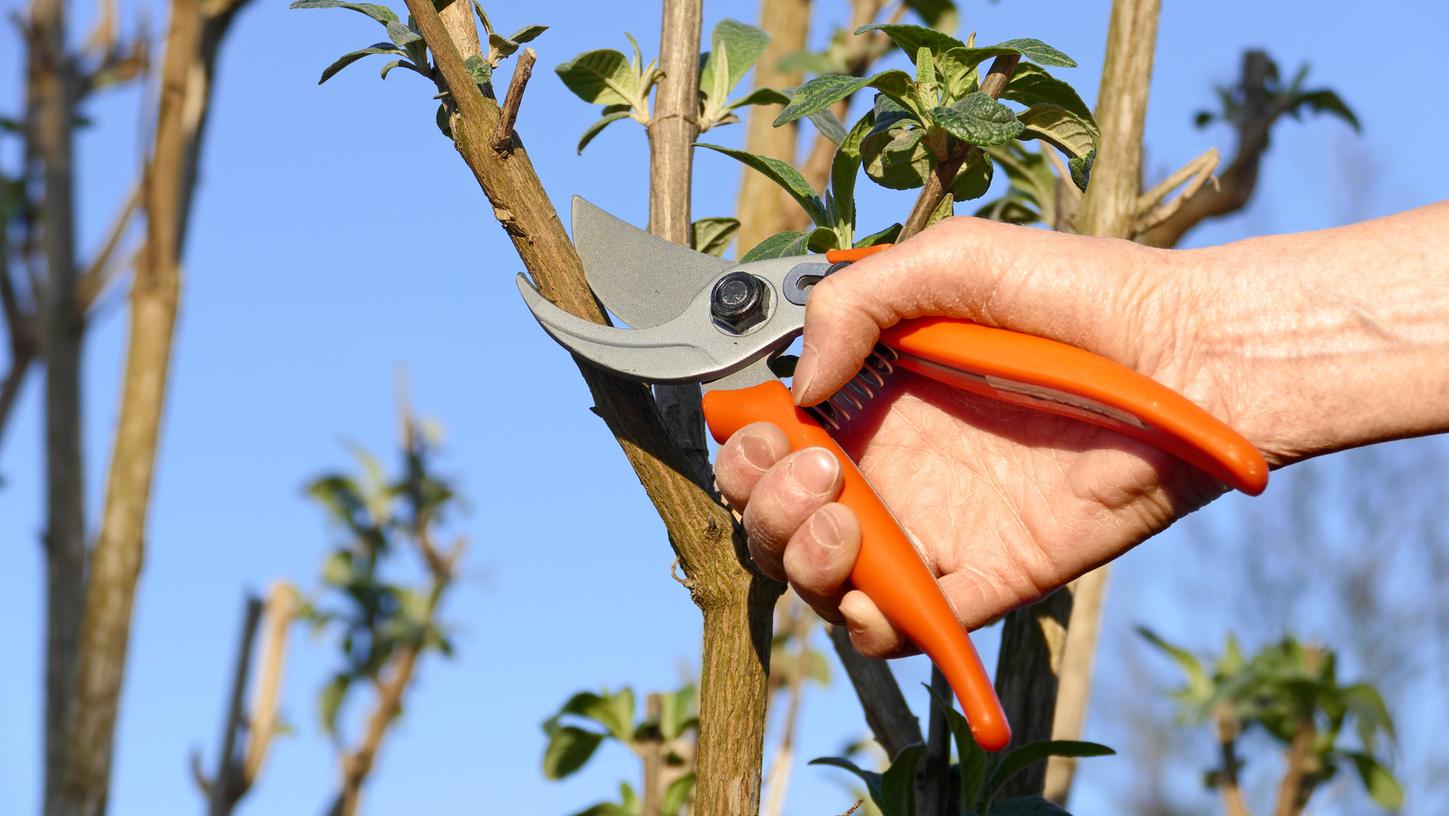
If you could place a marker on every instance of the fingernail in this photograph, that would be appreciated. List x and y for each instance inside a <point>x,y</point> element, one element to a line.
<point>824,529</point>
<point>804,373</point>
<point>815,471</point>
<point>757,452</point>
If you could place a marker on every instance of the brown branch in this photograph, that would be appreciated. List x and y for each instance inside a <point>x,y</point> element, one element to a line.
<point>225,788</point>
<point>735,601</point>
<point>934,794</point>
<point>1298,781</point>
<point>1077,652</point>
<point>673,130</point>
<point>280,611</point>
<point>503,139</point>
<point>1236,185</point>
<point>886,712</point>
<point>798,621</point>
<point>1027,679</point>
<point>1227,780</point>
<point>938,184</point>
<point>764,209</point>
<point>23,343</point>
<point>52,92</point>
<point>1108,210</point>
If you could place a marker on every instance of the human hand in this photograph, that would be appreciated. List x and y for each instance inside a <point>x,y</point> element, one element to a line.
<point>1006,504</point>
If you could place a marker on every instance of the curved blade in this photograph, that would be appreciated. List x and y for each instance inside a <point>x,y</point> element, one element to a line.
<point>686,349</point>
<point>643,279</point>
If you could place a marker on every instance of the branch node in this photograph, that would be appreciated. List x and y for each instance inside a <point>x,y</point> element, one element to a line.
<point>503,138</point>
<point>684,580</point>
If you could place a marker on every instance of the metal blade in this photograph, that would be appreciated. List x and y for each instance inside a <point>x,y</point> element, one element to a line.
<point>686,349</point>
<point>644,280</point>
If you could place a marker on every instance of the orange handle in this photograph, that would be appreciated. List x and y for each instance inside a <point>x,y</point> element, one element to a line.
<point>1049,376</point>
<point>889,570</point>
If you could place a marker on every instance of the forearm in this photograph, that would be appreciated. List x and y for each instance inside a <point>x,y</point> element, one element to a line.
<point>1326,340</point>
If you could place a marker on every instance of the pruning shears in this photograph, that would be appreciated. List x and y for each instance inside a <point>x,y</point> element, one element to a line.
<point>696,318</point>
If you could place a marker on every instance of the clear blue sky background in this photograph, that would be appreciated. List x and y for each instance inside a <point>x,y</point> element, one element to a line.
<point>337,236</point>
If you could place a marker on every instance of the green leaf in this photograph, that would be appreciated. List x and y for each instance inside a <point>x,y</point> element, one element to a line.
<point>1198,684</point>
<point>528,33</point>
<point>898,160</point>
<point>1038,52</point>
<point>674,712</point>
<point>945,209</point>
<point>502,46</point>
<point>782,174</point>
<point>822,239</point>
<point>925,67</point>
<point>1380,784</point>
<point>1026,806</point>
<point>978,119</point>
<point>1326,101</point>
<point>331,701</point>
<point>598,126</point>
<point>601,77</point>
<point>885,236</point>
<point>613,711</point>
<point>912,38</point>
<point>1061,127</point>
<point>898,783</point>
<point>402,36</point>
<point>387,69</point>
<point>760,96</point>
<point>1010,209</point>
<point>1028,755</point>
<point>1081,169</point>
<point>843,170</point>
<point>381,14</point>
<point>712,236</point>
<point>829,125</point>
<point>1031,85</point>
<point>440,118</point>
<point>337,569</point>
<point>974,179</point>
<point>677,794</point>
<point>939,14</point>
<point>780,245</point>
<point>479,69</point>
<point>1367,706</point>
<point>871,779</point>
<point>824,91</point>
<point>808,62</point>
<point>353,56</point>
<point>569,747</point>
<point>736,46</point>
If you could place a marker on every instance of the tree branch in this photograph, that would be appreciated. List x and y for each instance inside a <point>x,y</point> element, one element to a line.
<point>101,270</point>
<point>224,789</point>
<point>765,209</point>
<point>1108,210</point>
<point>710,548</point>
<point>1227,728</point>
<point>1027,679</point>
<point>522,70</point>
<point>938,185</point>
<point>934,796</point>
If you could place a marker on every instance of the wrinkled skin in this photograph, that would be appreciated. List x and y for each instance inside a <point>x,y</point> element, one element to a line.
<point>1006,504</point>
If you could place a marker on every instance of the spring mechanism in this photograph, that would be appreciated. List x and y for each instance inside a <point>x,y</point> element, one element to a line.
<point>845,404</point>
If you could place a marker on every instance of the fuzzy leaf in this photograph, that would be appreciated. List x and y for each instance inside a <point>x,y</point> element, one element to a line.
<point>737,46</point>
<point>898,160</point>
<point>569,747</point>
<point>1061,127</point>
<point>502,46</point>
<point>824,91</point>
<point>712,236</point>
<point>528,33</point>
<point>973,180</point>
<point>479,69</point>
<point>898,783</point>
<point>677,794</point>
<point>1199,686</point>
<point>1031,85</point>
<point>353,56</point>
<point>829,125</point>
<point>760,96</point>
<point>674,716</point>
<point>780,245</point>
<point>597,127</point>
<point>1038,52</point>
<point>601,77</point>
<point>1326,101</point>
<point>912,38</point>
<point>331,701</point>
<point>971,759</point>
<point>1028,755</point>
<point>1380,784</point>
<point>782,174</point>
<point>885,236</point>
<point>843,170</point>
<point>402,36</point>
<point>978,119</point>
<point>381,14</point>
<point>871,779</point>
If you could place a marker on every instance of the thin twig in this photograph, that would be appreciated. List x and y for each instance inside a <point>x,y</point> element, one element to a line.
<point>101,271</point>
<point>1227,781</point>
<point>503,139</point>
<point>1195,173</point>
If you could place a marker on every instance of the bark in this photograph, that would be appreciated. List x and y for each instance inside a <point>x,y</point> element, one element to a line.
<point>765,209</point>
<point>1297,783</point>
<point>1108,210</point>
<point>886,712</point>
<point>736,602</point>
<point>1027,673</point>
<point>225,787</point>
<point>52,95</point>
<point>672,133</point>
<point>1236,185</point>
<point>1228,729</point>
<point>1078,651</point>
<point>116,561</point>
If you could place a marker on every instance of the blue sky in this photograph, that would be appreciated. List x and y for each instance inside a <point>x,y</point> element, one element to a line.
<point>337,237</point>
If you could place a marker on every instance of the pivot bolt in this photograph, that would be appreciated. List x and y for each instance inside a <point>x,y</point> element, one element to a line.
<point>738,302</point>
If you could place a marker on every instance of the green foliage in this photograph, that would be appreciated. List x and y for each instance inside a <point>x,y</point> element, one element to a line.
<point>587,720</point>
<point>1289,98</point>
<point>981,775</point>
<point>1291,691</point>
<point>713,236</point>
<point>373,615</point>
<point>622,84</point>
